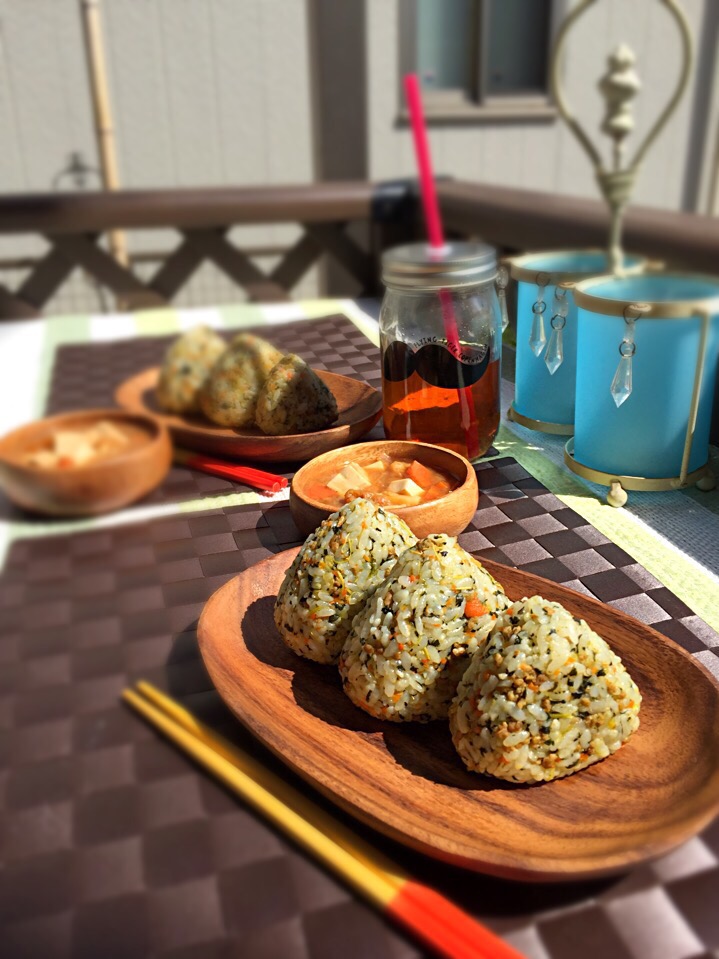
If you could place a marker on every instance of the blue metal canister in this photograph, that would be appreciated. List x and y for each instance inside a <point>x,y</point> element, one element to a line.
<point>547,334</point>
<point>647,351</point>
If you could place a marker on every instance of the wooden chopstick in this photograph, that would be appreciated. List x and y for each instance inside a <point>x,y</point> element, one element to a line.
<point>428,915</point>
<point>272,783</point>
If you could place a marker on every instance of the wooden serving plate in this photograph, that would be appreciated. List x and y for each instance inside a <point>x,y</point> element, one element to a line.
<point>406,780</point>
<point>359,405</point>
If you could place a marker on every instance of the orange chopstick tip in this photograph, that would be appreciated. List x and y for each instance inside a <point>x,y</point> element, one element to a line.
<point>445,927</point>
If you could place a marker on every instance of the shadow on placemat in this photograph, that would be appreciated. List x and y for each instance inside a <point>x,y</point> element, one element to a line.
<point>481,895</point>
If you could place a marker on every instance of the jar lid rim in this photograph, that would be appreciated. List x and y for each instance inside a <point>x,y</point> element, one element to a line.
<point>458,264</point>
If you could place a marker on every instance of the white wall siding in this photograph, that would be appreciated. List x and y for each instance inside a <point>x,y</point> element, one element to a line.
<point>203,92</point>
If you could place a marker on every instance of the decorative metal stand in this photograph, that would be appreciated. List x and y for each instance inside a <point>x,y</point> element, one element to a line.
<point>619,86</point>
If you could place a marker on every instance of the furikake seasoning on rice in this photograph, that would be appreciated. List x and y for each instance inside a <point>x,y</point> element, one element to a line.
<point>294,399</point>
<point>409,646</point>
<point>186,367</point>
<point>545,698</point>
<point>340,564</point>
<point>229,395</point>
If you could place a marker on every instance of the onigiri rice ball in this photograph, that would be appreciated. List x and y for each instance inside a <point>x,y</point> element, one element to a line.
<point>410,645</point>
<point>229,395</point>
<point>294,399</point>
<point>339,565</point>
<point>545,698</point>
<point>185,369</point>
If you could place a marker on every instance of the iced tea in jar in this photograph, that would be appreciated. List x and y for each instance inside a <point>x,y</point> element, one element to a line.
<point>440,336</point>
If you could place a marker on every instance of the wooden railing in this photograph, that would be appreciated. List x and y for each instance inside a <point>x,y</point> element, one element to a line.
<point>73,225</point>
<point>527,220</point>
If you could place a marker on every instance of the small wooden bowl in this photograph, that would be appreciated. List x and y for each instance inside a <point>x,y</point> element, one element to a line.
<point>97,487</point>
<point>450,514</point>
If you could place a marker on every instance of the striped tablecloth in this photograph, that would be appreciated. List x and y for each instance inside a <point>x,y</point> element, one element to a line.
<point>114,845</point>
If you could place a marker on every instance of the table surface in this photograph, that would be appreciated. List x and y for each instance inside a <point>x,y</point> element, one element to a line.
<point>114,844</point>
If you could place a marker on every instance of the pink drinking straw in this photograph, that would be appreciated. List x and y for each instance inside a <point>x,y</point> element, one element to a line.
<point>435,235</point>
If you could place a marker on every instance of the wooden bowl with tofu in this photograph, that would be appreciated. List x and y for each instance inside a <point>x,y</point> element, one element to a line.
<point>84,463</point>
<point>434,490</point>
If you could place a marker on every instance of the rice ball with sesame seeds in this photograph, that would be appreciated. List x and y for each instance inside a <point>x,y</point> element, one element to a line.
<point>339,565</point>
<point>545,698</point>
<point>294,399</point>
<point>185,368</point>
<point>229,395</point>
<point>410,645</point>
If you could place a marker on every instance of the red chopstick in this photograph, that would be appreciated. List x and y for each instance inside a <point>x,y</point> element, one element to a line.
<point>257,479</point>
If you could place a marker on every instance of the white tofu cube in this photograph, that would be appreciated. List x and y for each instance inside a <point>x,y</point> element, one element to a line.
<point>350,477</point>
<point>340,484</point>
<point>406,486</point>
<point>105,435</point>
<point>68,442</point>
<point>375,469</point>
<point>357,475</point>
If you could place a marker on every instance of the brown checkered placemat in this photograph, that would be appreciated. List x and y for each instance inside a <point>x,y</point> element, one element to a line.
<point>86,375</point>
<point>115,845</point>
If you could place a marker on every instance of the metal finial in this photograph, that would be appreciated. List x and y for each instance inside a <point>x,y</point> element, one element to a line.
<point>619,87</point>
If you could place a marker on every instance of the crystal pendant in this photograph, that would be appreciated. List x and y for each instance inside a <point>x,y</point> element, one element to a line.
<point>560,304</point>
<point>538,339</point>
<point>503,309</point>
<point>555,351</point>
<point>621,388</point>
<point>502,281</point>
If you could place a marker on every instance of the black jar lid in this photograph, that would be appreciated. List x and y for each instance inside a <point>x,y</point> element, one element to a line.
<point>417,266</point>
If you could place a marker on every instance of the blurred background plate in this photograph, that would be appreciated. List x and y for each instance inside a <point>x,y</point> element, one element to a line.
<point>359,408</point>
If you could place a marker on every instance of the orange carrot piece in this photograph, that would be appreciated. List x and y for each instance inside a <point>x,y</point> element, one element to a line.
<point>420,474</point>
<point>320,491</point>
<point>435,491</point>
<point>473,608</point>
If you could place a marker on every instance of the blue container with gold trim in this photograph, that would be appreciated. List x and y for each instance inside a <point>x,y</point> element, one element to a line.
<point>647,350</point>
<point>545,379</point>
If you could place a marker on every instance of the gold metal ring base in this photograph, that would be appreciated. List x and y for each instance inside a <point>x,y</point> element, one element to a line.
<point>639,483</point>
<point>558,429</point>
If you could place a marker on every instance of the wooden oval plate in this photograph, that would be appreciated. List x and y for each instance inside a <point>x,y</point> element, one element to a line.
<point>359,405</point>
<point>406,780</point>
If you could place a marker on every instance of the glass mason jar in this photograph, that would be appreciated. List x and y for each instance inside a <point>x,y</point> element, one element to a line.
<point>440,336</point>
